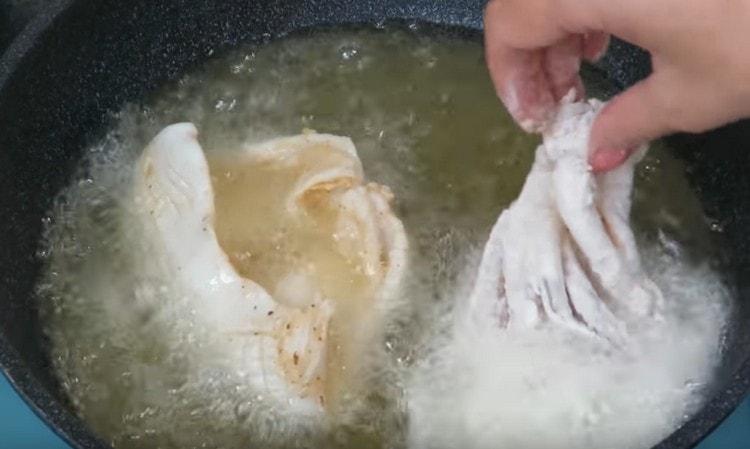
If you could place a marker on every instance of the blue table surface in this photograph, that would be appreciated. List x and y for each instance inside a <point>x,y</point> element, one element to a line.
<point>21,429</point>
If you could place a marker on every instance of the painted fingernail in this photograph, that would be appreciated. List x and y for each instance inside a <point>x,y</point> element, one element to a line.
<point>607,159</point>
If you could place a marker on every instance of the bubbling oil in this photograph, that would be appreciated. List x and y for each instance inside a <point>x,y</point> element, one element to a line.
<point>297,258</point>
<point>423,115</point>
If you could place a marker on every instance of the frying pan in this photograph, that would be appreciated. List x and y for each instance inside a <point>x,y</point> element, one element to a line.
<point>77,61</point>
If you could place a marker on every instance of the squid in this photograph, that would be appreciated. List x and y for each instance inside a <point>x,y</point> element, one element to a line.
<point>564,252</point>
<point>281,251</point>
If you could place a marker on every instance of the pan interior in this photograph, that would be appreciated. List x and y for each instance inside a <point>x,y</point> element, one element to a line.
<point>422,113</point>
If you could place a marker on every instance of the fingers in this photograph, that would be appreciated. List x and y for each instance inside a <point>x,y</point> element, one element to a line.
<point>523,24</point>
<point>632,118</point>
<point>533,60</point>
<point>522,85</point>
<point>531,82</point>
<point>534,49</point>
<point>561,64</point>
<point>516,35</point>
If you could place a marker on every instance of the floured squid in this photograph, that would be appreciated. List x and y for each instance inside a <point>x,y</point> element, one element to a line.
<point>563,251</point>
<point>282,251</point>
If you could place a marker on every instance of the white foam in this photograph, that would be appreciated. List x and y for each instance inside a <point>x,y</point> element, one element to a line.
<point>546,388</point>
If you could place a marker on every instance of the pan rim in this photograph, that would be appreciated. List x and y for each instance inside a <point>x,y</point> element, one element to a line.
<point>74,430</point>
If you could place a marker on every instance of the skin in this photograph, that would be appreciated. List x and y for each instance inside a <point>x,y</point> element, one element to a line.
<point>700,51</point>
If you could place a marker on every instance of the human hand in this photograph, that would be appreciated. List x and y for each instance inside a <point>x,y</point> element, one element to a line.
<point>701,65</point>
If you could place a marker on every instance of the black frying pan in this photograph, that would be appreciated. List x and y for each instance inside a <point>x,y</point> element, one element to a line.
<point>79,60</point>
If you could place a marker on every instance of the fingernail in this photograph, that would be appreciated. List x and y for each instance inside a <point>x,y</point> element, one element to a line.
<point>530,126</point>
<point>602,51</point>
<point>607,159</point>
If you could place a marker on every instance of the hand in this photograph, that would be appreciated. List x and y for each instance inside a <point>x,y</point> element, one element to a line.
<point>700,51</point>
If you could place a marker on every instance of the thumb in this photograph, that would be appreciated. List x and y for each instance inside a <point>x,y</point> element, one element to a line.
<point>631,119</point>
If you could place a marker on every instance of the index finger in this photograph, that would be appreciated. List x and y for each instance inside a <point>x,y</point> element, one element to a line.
<point>521,84</point>
<point>516,34</point>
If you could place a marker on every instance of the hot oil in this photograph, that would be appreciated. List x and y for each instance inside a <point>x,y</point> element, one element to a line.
<point>276,236</point>
<point>264,243</point>
<point>423,115</point>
